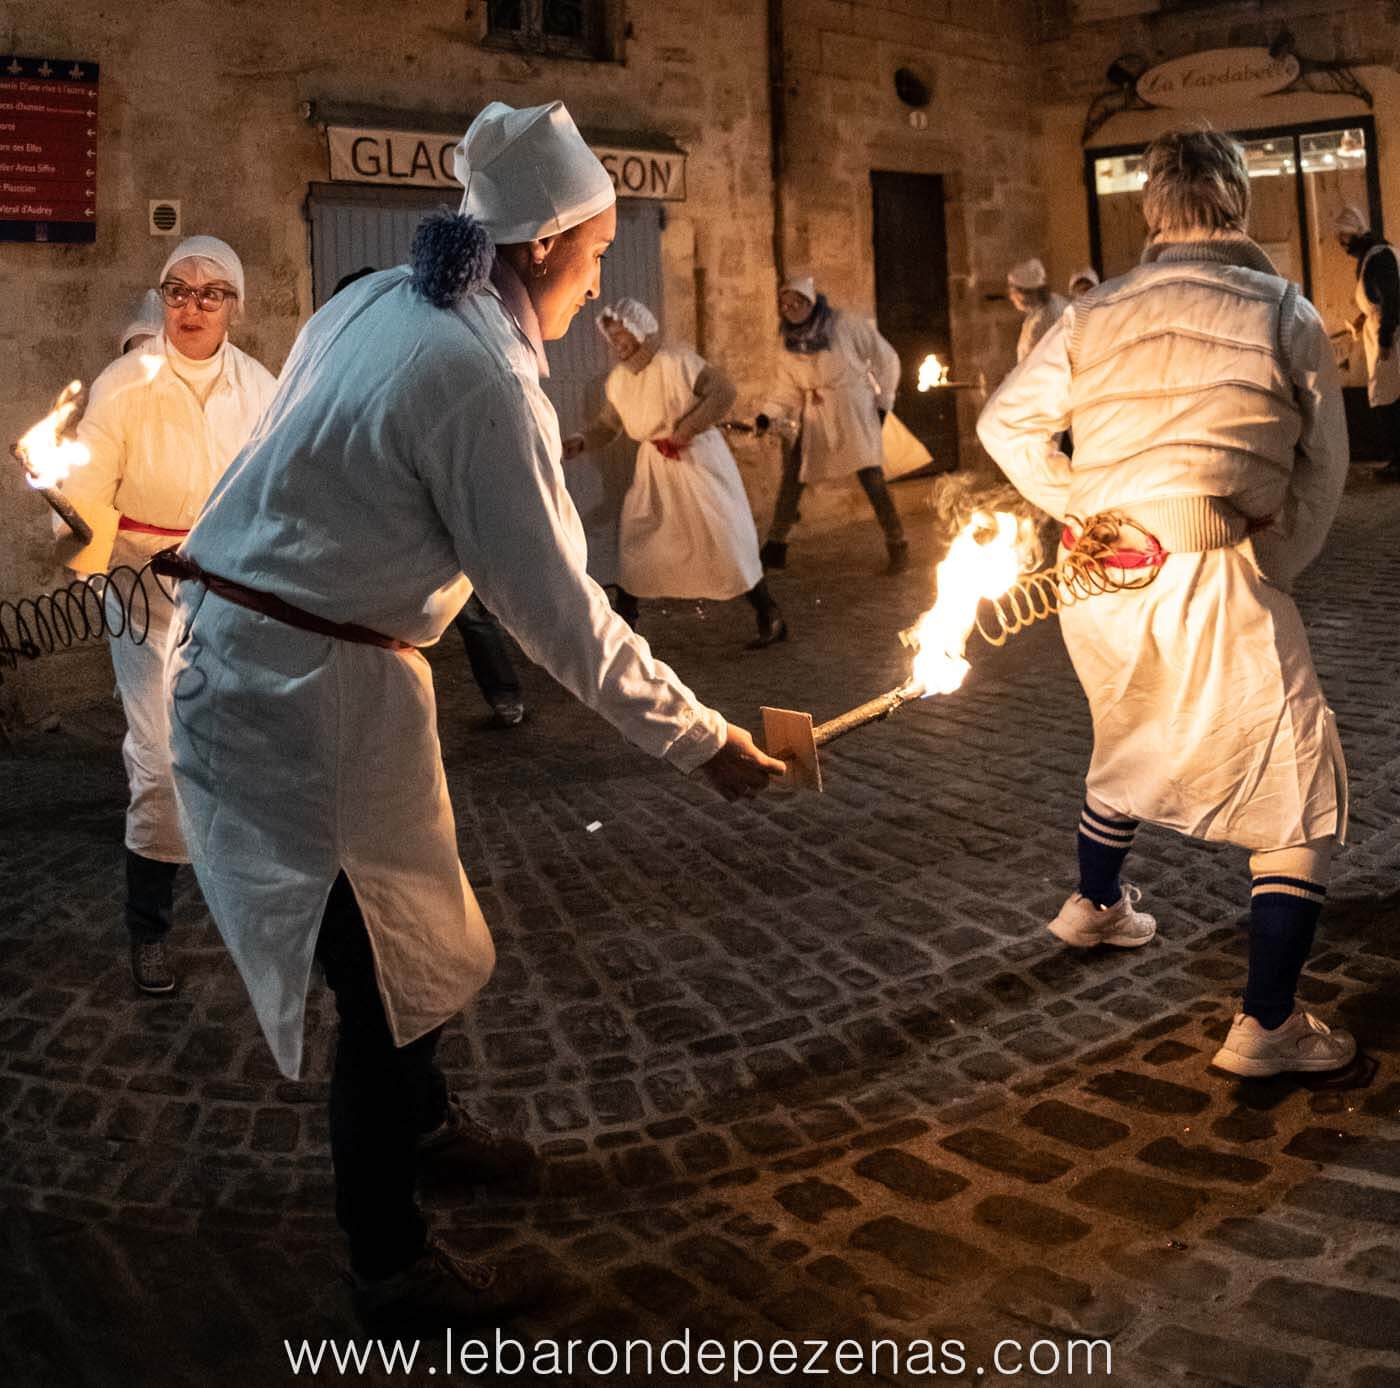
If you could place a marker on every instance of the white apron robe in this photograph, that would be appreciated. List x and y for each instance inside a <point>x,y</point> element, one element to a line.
<point>686,530</point>
<point>833,396</point>
<point>156,454</point>
<point>1382,377</point>
<point>1208,716</point>
<point>407,446</point>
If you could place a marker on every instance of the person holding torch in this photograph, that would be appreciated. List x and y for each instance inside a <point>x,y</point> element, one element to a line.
<point>837,379</point>
<point>685,530</point>
<point>162,423</point>
<point>1207,416</point>
<point>410,457</point>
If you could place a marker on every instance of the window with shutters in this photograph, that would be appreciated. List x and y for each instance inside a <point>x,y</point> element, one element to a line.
<point>557,28</point>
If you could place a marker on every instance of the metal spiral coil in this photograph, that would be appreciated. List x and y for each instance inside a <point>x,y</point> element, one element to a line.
<point>1087,570</point>
<point>117,603</point>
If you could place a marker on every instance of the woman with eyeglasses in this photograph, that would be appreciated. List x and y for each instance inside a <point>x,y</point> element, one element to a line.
<point>162,424</point>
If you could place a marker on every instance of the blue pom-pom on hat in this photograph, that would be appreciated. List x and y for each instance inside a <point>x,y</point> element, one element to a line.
<point>452,256</point>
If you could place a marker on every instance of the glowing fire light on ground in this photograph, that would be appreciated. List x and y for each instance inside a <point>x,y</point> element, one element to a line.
<point>932,373</point>
<point>47,454</point>
<point>983,561</point>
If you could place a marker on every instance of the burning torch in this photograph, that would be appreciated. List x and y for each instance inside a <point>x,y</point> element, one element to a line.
<point>982,567</point>
<point>48,452</point>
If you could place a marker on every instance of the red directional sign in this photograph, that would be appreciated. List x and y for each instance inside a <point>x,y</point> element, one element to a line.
<point>48,149</point>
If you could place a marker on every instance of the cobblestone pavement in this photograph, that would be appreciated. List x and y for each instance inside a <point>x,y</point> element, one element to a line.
<point>810,1069</point>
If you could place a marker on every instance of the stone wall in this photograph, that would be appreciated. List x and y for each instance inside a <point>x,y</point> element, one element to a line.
<point>203,101</point>
<point>1075,50</point>
<point>844,120</point>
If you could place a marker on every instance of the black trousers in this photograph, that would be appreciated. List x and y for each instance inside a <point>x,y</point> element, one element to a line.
<point>150,897</point>
<point>383,1097</point>
<point>786,512</point>
<point>1388,416</point>
<point>487,653</point>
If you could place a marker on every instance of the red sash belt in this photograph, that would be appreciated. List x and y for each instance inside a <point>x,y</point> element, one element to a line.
<point>1153,557</point>
<point>126,523</point>
<point>170,563</point>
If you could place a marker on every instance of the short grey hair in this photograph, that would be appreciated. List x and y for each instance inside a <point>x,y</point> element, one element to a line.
<point>1197,180</point>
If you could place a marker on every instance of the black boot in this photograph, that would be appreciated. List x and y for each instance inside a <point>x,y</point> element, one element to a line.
<point>771,626</point>
<point>150,901</point>
<point>773,555</point>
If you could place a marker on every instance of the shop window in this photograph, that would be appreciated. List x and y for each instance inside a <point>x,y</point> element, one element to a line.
<point>558,28</point>
<point>1300,178</point>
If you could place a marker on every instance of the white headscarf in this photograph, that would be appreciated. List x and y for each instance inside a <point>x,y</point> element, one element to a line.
<point>805,285</point>
<point>1352,221</point>
<point>527,173</point>
<point>148,320</point>
<point>1029,274</point>
<point>209,248</point>
<point>1086,273</point>
<point>634,315</point>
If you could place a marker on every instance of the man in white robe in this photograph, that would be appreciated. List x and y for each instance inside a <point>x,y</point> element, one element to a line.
<point>410,455</point>
<point>836,382</point>
<point>1206,410</point>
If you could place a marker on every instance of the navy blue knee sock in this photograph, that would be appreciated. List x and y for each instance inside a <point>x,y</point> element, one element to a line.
<point>1103,845</point>
<point>1283,914</point>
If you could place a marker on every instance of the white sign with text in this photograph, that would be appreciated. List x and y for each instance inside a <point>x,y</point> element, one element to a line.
<point>1220,77</point>
<point>418,159</point>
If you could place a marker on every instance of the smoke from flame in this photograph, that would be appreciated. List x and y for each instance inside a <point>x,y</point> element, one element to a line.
<point>983,561</point>
<point>48,455</point>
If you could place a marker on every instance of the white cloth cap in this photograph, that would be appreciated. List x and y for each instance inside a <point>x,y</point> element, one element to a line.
<point>1086,272</point>
<point>634,315</point>
<point>208,248</point>
<point>1352,221</point>
<point>528,174</point>
<point>801,284</point>
<point>1029,274</point>
<point>147,321</point>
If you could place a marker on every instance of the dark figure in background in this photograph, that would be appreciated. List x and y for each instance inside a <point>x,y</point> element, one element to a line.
<point>481,633</point>
<point>490,660</point>
<point>1378,305</point>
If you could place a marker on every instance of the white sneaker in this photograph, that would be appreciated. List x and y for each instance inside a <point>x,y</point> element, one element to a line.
<point>1301,1043</point>
<point>1083,925</point>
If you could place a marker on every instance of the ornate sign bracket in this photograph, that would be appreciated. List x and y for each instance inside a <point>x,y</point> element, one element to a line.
<point>1330,77</point>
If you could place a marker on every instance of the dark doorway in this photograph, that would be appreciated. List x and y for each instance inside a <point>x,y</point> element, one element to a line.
<point>911,300</point>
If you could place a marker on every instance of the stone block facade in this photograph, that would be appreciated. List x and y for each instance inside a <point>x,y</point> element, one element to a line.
<point>208,103</point>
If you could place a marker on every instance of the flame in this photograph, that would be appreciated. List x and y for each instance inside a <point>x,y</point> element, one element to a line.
<point>932,373</point>
<point>983,561</point>
<point>48,456</point>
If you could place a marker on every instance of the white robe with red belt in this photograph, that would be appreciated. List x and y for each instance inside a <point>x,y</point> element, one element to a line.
<point>409,455</point>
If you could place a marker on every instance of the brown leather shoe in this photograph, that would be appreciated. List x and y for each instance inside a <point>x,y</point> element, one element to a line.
<point>463,1151</point>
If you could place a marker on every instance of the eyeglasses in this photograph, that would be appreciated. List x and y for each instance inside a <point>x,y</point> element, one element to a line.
<point>208,297</point>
